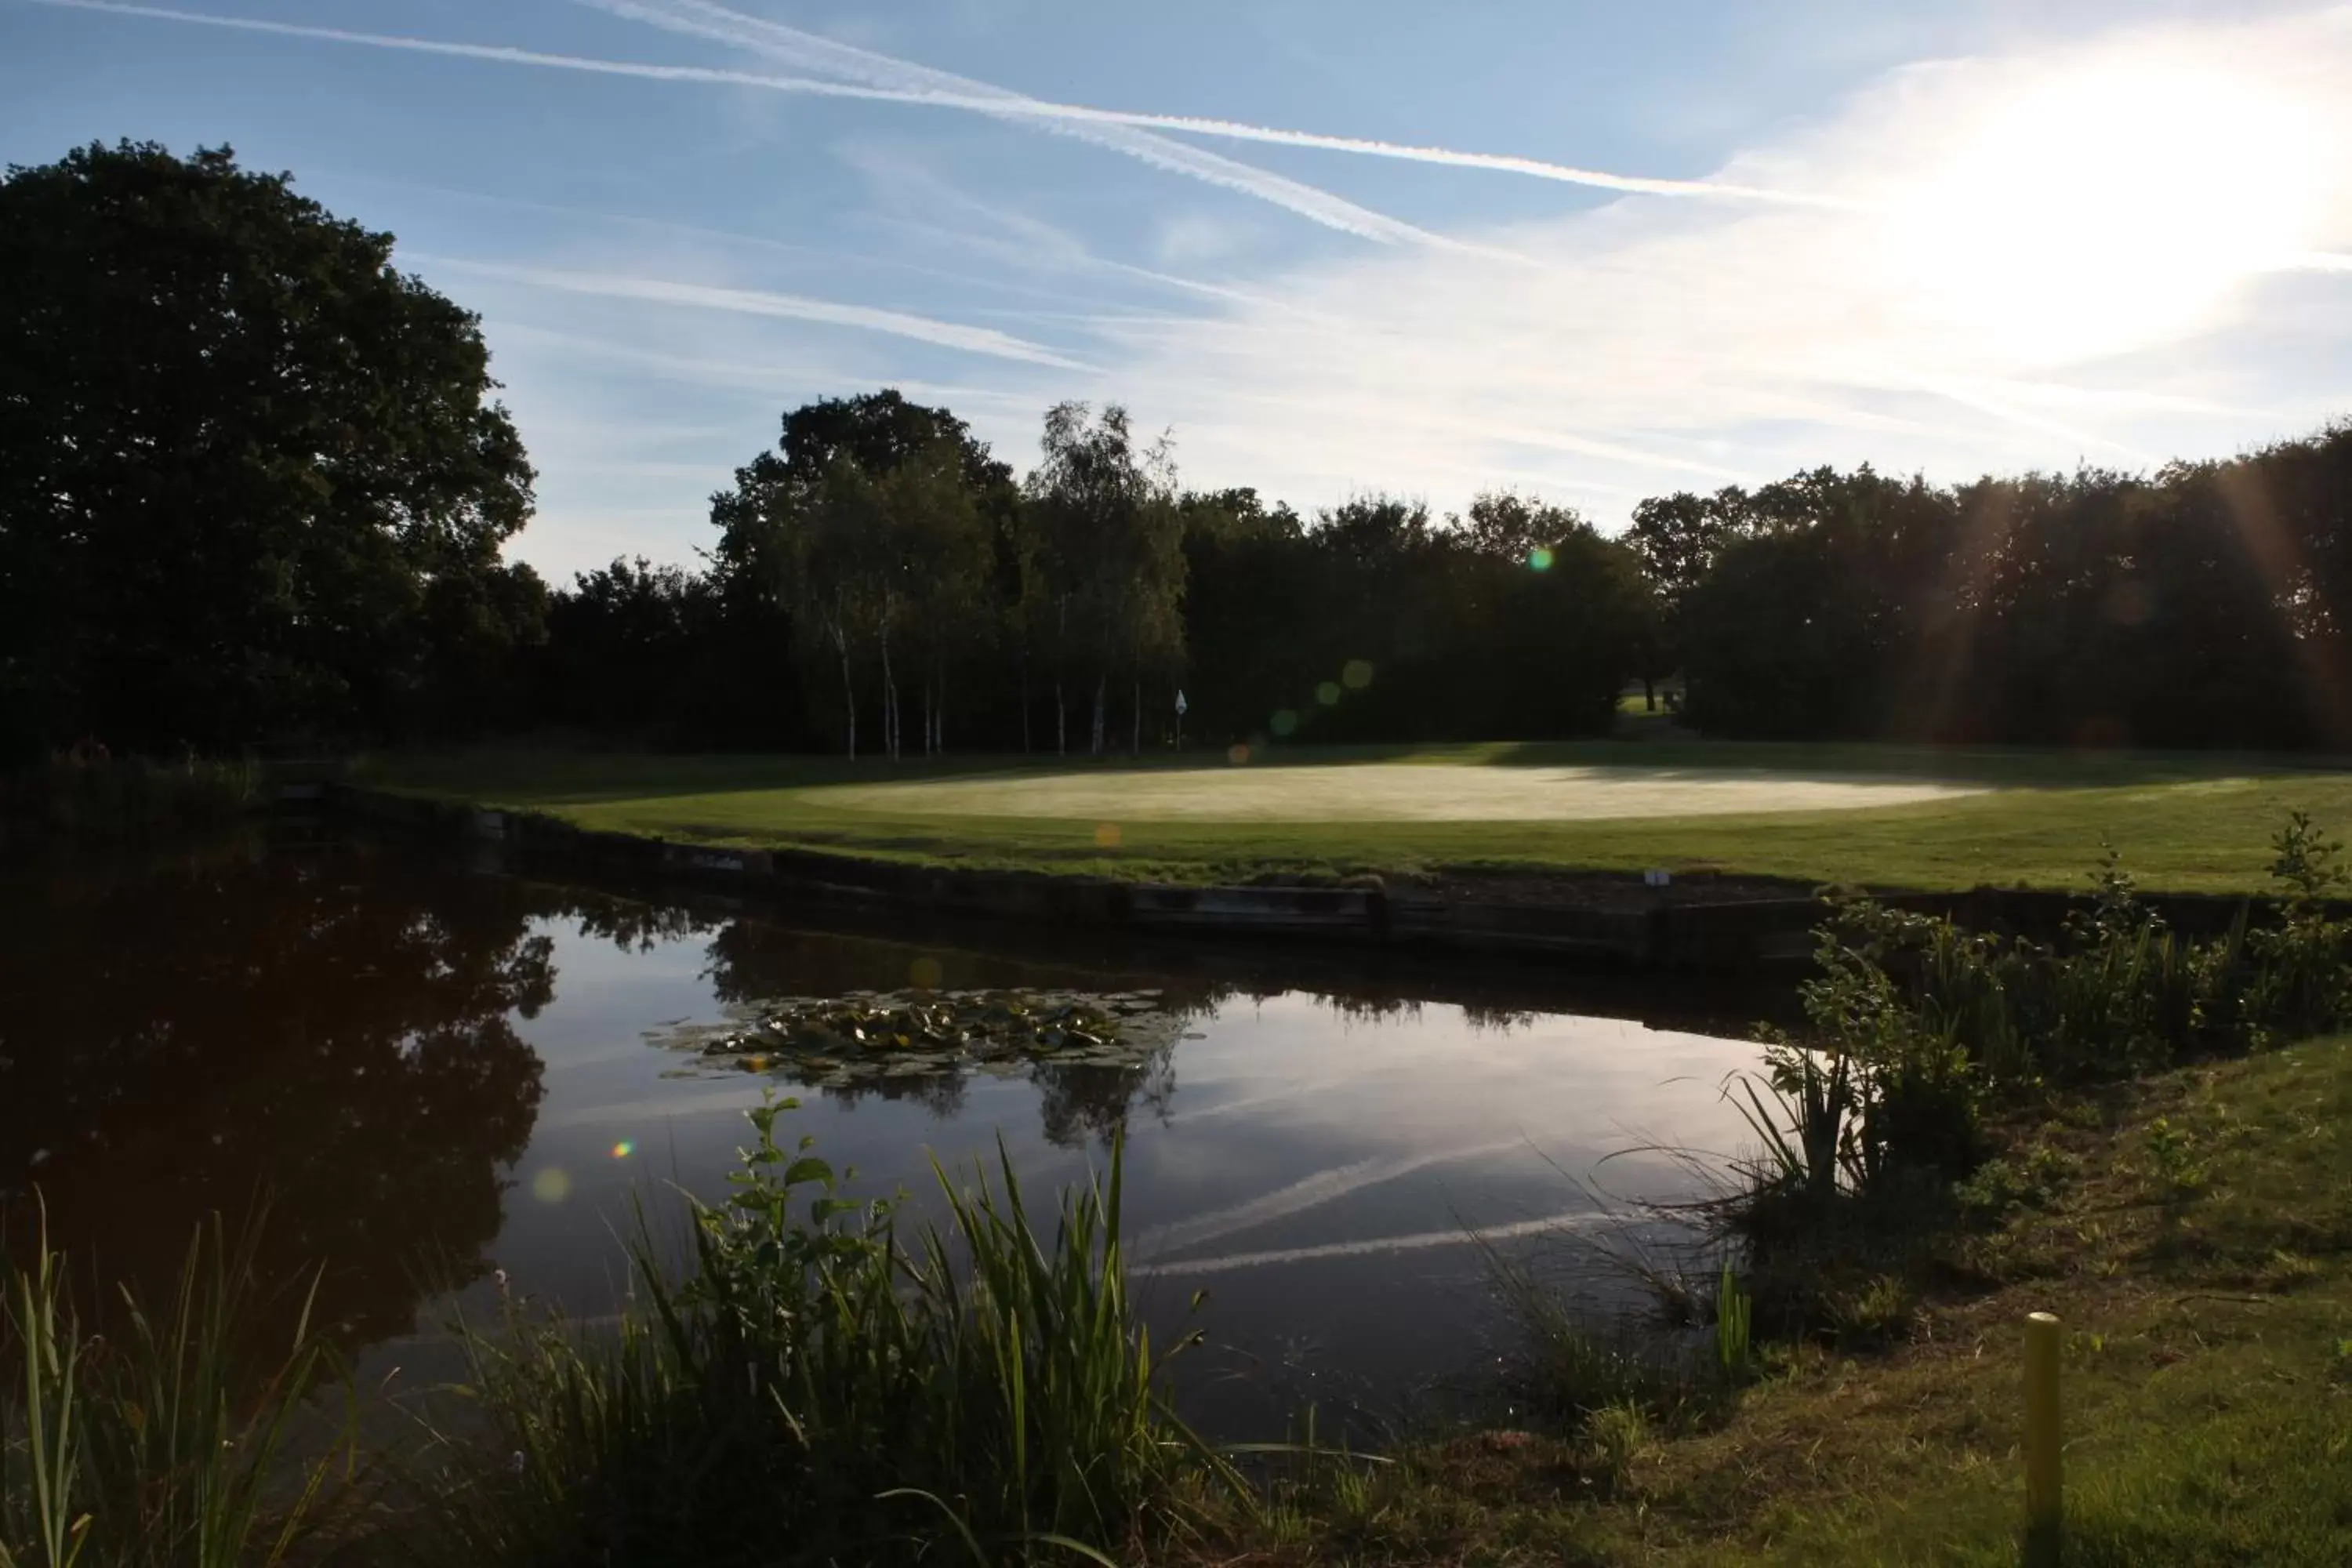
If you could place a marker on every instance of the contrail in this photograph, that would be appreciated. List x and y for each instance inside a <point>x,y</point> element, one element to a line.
<point>1121,130</point>
<point>1417,1242</point>
<point>761,302</point>
<point>1313,1191</point>
<point>1321,206</point>
<point>910,82</point>
<point>701,18</point>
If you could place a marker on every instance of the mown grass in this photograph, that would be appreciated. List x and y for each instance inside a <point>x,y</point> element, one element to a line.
<point>2193,824</point>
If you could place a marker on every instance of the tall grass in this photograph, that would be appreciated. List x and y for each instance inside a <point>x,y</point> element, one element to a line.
<point>98,798</point>
<point>174,1441</point>
<point>817,1390</point>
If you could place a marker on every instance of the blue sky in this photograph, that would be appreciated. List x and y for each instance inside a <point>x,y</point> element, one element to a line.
<point>1953,239</point>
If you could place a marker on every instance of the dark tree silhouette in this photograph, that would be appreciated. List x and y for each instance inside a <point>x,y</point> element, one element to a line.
<point>251,484</point>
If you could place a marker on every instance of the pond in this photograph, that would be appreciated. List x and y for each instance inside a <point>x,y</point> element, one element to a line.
<point>436,1068</point>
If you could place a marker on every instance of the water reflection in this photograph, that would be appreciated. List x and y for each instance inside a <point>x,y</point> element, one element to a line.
<point>437,1069</point>
<point>335,1031</point>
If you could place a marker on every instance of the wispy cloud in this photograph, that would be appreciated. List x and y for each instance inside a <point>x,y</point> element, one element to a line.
<point>811,51</point>
<point>761,302</point>
<point>1973,313</point>
<point>1308,200</point>
<point>771,376</point>
<point>907,81</point>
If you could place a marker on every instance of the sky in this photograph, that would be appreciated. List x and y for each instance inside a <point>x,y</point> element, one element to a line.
<point>1590,252</point>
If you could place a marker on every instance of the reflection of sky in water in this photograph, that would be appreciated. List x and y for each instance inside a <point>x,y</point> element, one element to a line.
<point>431,1070</point>
<point>1314,1170</point>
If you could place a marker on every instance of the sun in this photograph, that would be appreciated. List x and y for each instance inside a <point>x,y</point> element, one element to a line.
<point>2098,211</point>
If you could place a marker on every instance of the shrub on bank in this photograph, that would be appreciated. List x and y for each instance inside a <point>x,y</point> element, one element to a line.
<point>92,796</point>
<point>1873,1117</point>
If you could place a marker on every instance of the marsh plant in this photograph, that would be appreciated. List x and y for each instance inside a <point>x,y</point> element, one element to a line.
<point>821,1388</point>
<point>88,796</point>
<point>181,1437</point>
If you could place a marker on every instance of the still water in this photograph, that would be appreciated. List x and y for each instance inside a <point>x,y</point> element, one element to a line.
<point>432,1069</point>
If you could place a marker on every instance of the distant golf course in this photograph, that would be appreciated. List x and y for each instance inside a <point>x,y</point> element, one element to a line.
<point>1883,817</point>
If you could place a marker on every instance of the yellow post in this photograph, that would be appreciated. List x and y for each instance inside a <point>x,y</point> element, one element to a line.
<point>2044,1442</point>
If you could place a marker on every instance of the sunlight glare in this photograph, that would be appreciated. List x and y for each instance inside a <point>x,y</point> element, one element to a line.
<point>2098,211</point>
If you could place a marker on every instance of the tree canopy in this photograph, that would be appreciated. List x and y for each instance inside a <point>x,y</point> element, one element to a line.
<point>254,486</point>
<point>252,483</point>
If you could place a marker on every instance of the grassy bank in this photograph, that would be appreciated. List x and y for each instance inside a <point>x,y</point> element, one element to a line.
<point>2195,1234</point>
<point>2185,824</point>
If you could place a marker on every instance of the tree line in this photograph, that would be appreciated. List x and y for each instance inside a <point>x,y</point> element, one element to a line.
<point>255,486</point>
<point>926,597</point>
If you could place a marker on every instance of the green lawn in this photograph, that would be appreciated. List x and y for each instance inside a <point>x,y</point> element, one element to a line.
<point>2183,823</point>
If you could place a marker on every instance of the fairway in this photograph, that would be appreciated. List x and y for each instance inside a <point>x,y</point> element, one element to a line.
<point>1887,816</point>
<point>1389,792</point>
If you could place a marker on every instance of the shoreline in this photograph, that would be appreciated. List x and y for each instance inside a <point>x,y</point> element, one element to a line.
<point>1703,922</point>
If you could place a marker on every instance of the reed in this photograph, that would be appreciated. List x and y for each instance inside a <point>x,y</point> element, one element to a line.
<point>174,1441</point>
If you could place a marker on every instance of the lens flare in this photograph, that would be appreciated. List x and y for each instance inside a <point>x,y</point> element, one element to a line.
<point>552,1184</point>
<point>1284,722</point>
<point>1356,675</point>
<point>1327,693</point>
<point>1540,559</point>
<point>1237,753</point>
<point>624,1149</point>
<point>1106,836</point>
<point>925,974</point>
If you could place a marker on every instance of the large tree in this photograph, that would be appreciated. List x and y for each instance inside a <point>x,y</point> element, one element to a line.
<point>247,467</point>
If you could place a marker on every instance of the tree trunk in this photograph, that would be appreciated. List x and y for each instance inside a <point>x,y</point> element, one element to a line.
<point>1102,685</point>
<point>1024,701</point>
<point>848,688</point>
<point>1139,715</point>
<point>1649,695</point>
<point>1061,718</point>
<point>926,718</point>
<point>889,694</point>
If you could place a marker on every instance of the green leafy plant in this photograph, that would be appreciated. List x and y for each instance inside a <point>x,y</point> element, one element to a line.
<point>2173,1161</point>
<point>1734,1316</point>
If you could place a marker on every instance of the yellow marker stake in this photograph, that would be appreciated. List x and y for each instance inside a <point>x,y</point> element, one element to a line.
<point>2044,1442</point>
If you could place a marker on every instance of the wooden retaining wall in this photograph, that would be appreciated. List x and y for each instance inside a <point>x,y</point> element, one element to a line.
<point>1731,933</point>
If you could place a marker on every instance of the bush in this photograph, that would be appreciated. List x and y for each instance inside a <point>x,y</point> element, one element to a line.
<point>93,796</point>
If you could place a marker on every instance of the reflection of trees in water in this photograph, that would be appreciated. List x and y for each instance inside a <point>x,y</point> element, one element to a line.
<point>1079,1102</point>
<point>331,1029</point>
<point>630,926</point>
<point>941,1093</point>
<point>1375,1008</point>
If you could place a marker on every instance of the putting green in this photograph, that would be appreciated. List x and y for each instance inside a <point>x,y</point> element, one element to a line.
<point>1387,791</point>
